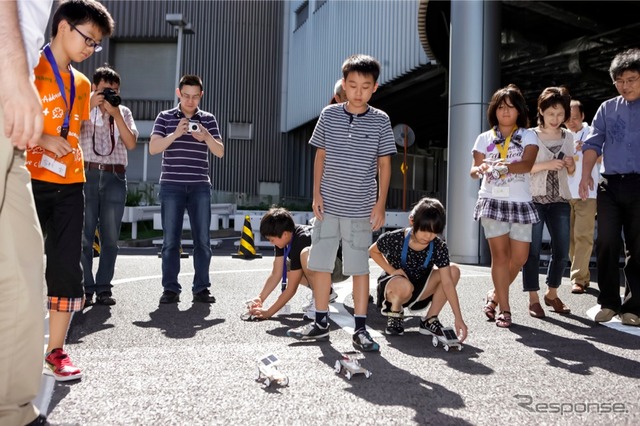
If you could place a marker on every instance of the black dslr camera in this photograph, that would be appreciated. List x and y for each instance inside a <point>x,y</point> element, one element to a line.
<point>112,97</point>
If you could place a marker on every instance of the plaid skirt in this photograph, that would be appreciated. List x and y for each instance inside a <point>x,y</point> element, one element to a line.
<point>506,211</point>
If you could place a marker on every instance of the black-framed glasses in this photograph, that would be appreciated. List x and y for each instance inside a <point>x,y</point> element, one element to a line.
<point>88,40</point>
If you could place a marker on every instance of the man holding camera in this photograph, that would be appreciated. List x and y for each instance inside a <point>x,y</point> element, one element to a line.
<point>185,135</point>
<point>105,139</point>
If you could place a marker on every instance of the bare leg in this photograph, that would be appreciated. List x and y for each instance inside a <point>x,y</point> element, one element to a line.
<point>58,326</point>
<point>397,292</point>
<point>434,287</point>
<point>507,258</point>
<point>360,293</point>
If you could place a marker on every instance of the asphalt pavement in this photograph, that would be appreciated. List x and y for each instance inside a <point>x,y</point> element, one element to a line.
<point>195,364</point>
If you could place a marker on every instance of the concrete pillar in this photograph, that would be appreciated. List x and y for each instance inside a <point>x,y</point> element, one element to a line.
<point>474,74</point>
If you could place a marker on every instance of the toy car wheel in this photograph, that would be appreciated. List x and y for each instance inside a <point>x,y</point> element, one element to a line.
<point>460,348</point>
<point>446,348</point>
<point>348,374</point>
<point>259,375</point>
<point>267,382</point>
<point>434,342</point>
<point>338,367</point>
<point>367,374</point>
<point>285,381</point>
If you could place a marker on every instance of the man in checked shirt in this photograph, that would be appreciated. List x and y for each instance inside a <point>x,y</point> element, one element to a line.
<point>105,139</point>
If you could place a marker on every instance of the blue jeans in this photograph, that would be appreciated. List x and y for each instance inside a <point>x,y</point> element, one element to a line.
<point>104,197</point>
<point>196,199</point>
<point>557,217</point>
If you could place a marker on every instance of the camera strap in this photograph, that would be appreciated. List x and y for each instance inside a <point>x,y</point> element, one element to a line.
<point>64,130</point>
<point>111,134</point>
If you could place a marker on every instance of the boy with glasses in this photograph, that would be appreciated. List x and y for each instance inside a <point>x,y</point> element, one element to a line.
<point>57,169</point>
<point>185,135</point>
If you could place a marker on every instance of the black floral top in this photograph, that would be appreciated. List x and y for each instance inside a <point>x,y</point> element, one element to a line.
<point>390,245</point>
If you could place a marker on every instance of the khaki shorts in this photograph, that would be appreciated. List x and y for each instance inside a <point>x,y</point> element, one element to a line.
<point>336,276</point>
<point>356,238</point>
<point>517,231</point>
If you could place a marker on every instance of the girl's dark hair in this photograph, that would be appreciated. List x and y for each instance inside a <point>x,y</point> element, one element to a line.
<point>512,95</point>
<point>276,222</point>
<point>552,96</point>
<point>428,216</point>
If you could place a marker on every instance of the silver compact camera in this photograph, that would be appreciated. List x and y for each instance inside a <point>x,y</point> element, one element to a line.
<point>193,127</point>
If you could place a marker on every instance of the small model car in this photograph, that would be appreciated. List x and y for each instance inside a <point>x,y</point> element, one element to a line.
<point>449,339</point>
<point>268,371</point>
<point>247,315</point>
<point>350,364</point>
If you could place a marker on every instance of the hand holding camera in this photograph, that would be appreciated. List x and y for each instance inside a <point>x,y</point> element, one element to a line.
<point>112,97</point>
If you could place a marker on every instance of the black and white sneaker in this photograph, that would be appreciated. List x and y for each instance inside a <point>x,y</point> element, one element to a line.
<point>363,341</point>
<point>311,331</point>
<point>431,326</point>
<point>395,323</point>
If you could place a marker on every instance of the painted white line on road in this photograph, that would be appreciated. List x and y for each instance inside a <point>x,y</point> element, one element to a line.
<point>186,274</point>
<point>339,313</point>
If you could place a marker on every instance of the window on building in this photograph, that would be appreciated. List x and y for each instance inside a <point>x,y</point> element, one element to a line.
<point>319,4</point>
<point>240,131</point>
<point>156,79</point>
<point>302,13</point>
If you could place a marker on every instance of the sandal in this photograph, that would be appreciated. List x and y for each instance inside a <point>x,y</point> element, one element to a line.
<point>504,319</point>
<point>489,308</point>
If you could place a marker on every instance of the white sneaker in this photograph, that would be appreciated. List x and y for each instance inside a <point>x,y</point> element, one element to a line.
<point>311,306</point>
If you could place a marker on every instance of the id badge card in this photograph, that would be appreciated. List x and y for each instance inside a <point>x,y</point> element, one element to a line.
<point>500,191</point>
<point>53,165</point>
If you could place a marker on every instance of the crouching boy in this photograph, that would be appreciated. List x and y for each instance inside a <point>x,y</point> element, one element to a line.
<point>417,272</point>
<point>291,243</point>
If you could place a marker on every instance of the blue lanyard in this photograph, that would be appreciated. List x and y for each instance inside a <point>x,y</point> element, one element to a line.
<point>405,250</point>
<point>64,131</point>
<point>287,250</point>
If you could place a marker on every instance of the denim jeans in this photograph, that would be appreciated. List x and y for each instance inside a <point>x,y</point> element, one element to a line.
<point>105,194</point>
<point>557,217</point>
<point>196,200</point>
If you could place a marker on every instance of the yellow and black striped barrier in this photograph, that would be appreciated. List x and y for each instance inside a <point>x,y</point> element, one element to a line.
<point>247,248</point>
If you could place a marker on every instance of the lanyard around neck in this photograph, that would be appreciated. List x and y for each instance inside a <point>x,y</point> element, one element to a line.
<point>405,250</point>
<point>64,131</point>
<point>504,148</point>
<point>287,250</point>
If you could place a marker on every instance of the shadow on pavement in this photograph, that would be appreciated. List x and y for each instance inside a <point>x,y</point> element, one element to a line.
<point>88,321</point>
<point>177,324</point>
<point>424,397</point>
<point>579,355</point>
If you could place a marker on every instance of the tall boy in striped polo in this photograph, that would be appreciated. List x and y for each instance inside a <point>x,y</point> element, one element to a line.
<point>354,143</point>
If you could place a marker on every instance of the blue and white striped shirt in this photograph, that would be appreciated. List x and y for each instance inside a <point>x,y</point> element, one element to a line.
<point>186,160</point>
<point>352,144</point>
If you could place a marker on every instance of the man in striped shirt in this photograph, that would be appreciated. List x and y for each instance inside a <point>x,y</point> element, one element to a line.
<point>185,135</point>
<point>354,143</point>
